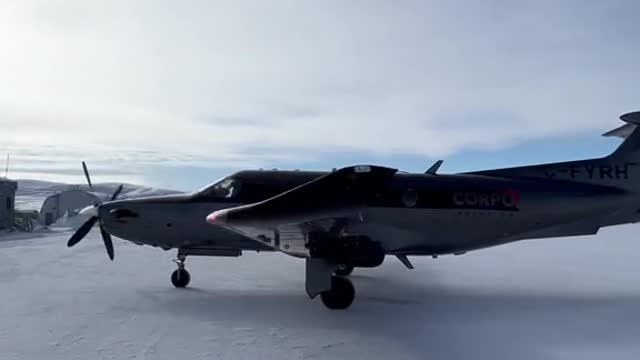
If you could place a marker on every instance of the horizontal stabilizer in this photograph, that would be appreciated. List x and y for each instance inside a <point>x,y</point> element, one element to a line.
<point>623,131</point>
<point>632,120</point>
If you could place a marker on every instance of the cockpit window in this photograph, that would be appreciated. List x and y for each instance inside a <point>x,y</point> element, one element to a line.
<point>226,188</point>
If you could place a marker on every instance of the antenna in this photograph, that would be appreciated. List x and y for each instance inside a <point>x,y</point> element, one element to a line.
<point>6,169</point>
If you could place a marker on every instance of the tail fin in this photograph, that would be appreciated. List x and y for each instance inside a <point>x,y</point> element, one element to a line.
<point>630,147</point>
<point>617,168</point>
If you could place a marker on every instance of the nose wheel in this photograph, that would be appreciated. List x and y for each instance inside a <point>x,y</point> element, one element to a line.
<point>181,277</point>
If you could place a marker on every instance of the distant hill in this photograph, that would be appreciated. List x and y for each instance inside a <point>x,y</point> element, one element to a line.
<point>32,193</point>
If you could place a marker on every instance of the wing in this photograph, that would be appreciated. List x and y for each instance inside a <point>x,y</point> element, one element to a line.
<point>285,221</point>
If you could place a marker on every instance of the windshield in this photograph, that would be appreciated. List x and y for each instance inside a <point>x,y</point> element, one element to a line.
<point>225,188</point>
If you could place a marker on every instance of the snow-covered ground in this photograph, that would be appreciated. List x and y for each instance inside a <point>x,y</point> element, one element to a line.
<point>544,299</point>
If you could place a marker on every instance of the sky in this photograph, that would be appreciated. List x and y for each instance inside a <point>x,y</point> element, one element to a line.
<point>179,93</point>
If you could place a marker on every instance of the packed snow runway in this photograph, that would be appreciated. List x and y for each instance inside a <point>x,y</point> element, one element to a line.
<point>576,297</point>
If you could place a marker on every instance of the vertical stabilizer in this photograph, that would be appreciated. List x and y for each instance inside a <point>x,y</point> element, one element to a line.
<point>630,147</point>
<point>620,169</point>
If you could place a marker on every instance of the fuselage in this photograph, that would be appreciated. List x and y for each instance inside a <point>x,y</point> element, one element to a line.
<point>414,214</point>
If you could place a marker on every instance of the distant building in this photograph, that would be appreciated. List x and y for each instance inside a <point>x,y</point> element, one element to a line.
<point>7,202</point>
<point>69,201</point>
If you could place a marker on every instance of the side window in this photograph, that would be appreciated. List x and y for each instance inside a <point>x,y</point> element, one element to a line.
<point>226,188</point>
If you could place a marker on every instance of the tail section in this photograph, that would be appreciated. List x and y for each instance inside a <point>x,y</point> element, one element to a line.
<point>630,147</point>
<point>620,169</point>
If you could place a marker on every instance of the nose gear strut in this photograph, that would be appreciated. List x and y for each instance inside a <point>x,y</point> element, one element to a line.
<point>181,277</point>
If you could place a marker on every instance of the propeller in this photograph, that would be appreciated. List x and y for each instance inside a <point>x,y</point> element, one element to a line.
<point>86,174</point>
<point>95,218</point>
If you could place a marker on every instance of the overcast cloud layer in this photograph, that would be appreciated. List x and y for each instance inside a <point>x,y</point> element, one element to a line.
<point>251,83</point>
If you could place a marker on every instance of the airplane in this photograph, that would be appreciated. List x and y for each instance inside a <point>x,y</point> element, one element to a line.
<point>358,215</point>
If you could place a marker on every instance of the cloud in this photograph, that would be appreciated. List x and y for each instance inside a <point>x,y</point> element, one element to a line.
<point>204,82</point>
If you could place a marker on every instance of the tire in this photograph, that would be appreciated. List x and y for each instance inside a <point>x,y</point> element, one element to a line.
<point>180,278</point>
<point>343,270</point>
<point>340,296</point>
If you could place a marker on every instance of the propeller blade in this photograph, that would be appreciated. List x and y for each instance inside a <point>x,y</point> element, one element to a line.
<point>82,231</point>
<point>108,244</point>
<point>86,174</point>
<point>117,192</point>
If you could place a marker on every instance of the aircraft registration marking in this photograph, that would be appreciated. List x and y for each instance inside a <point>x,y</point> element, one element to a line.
<point>602,171</point>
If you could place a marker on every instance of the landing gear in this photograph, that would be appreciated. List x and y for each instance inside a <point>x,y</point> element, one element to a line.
<point>343,270</point>
<point>181,277</point>
<point>336,292</point>
<point>341,294</point>
<point>331,259</point>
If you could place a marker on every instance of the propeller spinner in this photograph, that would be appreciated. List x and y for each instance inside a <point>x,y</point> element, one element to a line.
<point>95,218</point>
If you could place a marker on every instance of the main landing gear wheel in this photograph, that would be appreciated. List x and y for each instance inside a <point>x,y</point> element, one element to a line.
<point>341,294</point>
<point>343,270</point>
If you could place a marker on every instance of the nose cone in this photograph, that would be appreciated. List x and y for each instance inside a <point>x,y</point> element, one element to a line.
<point>91,210</point>
<point>217,217</point>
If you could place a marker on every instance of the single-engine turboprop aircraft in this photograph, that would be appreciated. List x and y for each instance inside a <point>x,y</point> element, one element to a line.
<point>355,216</point>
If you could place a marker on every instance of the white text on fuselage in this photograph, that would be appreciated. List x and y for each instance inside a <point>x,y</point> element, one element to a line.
<point>603,171</point>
